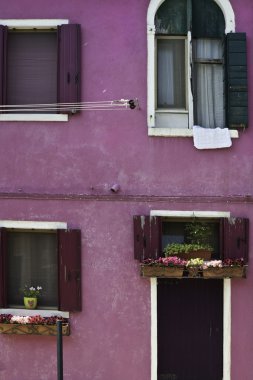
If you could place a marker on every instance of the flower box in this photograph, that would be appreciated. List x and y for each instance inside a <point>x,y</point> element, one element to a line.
<point>161,271</point>
<point>30,329</point>
<point>225,272</point>
<point>200,254</point>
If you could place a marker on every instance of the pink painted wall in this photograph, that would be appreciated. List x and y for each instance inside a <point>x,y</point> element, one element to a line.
<point>110,339</point>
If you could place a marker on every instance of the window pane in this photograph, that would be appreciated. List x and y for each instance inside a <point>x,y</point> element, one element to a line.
<point>32,68</point>
<point>208,83</point>
<point>32,260</point>
<point>171,73</point>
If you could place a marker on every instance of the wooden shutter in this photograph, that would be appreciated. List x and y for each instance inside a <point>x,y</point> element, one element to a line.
<point>69,267</point>
<point>235,238</point>
<point>3,267</point>
<point>236,81</point>
<point>69,46</point>
<point>147,237</point>
<point>3,56</point>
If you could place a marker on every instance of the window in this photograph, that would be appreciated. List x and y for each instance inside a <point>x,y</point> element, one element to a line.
<point>40,68</point>
<point>229,236</point>
<point>47,258</point>
<point>197,73</point>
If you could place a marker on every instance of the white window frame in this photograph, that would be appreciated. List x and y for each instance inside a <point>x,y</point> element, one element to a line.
<point>226,298</point>
<point>31,24</point>
<point>174,131</point>
<point>33,225</point>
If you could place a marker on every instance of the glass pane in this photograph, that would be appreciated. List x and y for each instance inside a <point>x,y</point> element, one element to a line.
<point>171,73</point>
<point>32,261</point>
<point>32,68</point>
<point>208,84</point>
<point>171,18</point>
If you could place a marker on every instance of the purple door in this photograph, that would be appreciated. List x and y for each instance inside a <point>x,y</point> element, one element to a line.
<point>190,329</point>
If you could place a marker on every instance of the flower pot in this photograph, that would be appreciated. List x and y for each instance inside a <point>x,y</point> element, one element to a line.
<point>194,272</point>
<point>161,271</point>
<point>201,254</point>
<point>225,272</point>
<point>30,302</point>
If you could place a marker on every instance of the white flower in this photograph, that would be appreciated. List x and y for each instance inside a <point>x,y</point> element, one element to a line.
<point>39,287</point>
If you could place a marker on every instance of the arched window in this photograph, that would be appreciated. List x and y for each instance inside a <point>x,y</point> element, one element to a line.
<point>194,64</point>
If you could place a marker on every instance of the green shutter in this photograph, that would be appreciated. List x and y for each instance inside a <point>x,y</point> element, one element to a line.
<point>236,81</point>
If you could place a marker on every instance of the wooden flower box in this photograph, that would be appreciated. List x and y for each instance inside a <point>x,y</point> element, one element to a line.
<point>161,271</point>
<point>225,272</point>
<point>29,329</point>
<point>201,254</point>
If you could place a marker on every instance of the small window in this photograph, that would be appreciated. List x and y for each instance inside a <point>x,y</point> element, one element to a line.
<point>228,237</point>
<point>50,259</point>
<point>32,261</point>
<point>39,68</point>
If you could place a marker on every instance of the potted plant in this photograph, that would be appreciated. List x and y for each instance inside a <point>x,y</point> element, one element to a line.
<point>194,267</point>
<point>169,267</point>
<point>228,268</point>
<point>31,295</point>
<point>196,245</point>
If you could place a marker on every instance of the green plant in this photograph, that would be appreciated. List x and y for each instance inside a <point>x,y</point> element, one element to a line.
<point>174,248</point>
<point>198,233</point>
<point>31,291</point>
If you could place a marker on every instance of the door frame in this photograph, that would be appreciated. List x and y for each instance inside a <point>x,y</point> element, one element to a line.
<point>226,297</point>
<point>226,329</point>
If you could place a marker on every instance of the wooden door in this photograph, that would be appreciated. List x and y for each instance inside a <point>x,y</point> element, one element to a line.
<point>190,329</point>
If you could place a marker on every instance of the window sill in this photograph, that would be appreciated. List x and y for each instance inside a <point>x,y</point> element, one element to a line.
<point>34,117</point>
<point>180,132</point>
<point>42,312</point>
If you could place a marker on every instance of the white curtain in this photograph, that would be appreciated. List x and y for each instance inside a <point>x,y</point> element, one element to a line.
<point>171,73</point>
<point>209,84</point>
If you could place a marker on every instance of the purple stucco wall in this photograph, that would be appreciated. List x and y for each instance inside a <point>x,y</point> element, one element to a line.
<point>110,338</point>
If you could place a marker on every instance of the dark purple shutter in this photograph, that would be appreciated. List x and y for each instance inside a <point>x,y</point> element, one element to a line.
<point>147,237</point>
<point>69,47</point>
<point>69,267</point>
<point>3,57</point>
<point>3,267</point>
<point>235,238</point>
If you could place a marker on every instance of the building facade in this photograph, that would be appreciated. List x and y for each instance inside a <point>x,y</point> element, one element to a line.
<point>74,177</point>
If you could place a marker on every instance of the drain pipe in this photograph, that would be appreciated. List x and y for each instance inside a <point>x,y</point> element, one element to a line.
<point>59,351</point>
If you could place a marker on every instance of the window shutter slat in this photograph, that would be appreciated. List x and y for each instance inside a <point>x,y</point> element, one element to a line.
<point>3,56</point>
<point>235,238</point>
<point>147,237</point>
<point>69,47</point>
<point>69,267</point>
<point>236,81</point>
<point>3,267</point>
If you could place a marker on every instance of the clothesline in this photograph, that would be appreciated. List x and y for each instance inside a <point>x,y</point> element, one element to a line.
<point>110,105</point>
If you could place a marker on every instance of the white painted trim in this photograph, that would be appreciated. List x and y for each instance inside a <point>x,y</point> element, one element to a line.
<point>154,356</point>
<point>180,132</point>
<point>31,225</point>
<point>33,117</point>
<point>33,23</point>
<point>190,214</point>
<point>42,312</point>
<point>226,329</point>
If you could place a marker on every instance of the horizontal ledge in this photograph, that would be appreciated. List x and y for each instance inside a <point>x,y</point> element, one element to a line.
<point>247,198</point>
<point>31,313</point>
<point>180,132</point>
<point>34,225</point>
<point>33,117</point>
<point>33,23</point>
